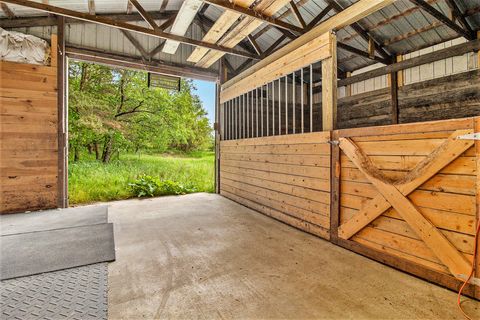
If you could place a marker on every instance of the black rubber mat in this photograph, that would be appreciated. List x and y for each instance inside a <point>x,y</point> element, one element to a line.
<point>52,219</point>
<point>75,293</point>
<point>43,251</point>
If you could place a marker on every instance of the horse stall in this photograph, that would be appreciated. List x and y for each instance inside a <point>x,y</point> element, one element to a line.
<point>389,173</point>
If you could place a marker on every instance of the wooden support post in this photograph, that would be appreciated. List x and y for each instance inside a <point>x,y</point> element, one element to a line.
<point>222,77</point>
<point>60,62</point>
<point>329,87</point>
<point>400,78</point>
<point>335,168</point>
<point>394,97</point>
<point>348,87</point>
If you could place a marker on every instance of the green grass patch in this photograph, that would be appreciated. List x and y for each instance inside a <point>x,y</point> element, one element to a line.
<point>92,181</point>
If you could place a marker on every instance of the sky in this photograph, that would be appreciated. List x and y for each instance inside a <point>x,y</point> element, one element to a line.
<point>206,93</point>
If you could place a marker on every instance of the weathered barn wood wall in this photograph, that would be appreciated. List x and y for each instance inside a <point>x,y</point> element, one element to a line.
<point>28,136</point>
<point>433,70</point>
<point>447,197</point>
<point>285,177</point>
<point>450,97</point>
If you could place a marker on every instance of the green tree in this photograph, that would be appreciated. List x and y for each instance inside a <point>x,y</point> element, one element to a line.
<point>112,110</point>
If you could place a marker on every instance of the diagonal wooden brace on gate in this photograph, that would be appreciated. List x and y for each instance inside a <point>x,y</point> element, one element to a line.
<point>394,194</point>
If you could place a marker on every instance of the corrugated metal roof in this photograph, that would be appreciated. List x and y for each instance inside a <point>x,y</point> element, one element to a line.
<point>399,28</point>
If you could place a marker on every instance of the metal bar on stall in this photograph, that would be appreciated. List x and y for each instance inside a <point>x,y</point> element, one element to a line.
<point>261,110</point>
<point>256,111</point>
<point>311,98</point>
<point>268,115</point>
<point>252,124</point>
<point>247,107</point>
<point>286,105</point>
<point>244,121</point>
<point>301,100</point>
<point>273,108</point>
<point>279,106</point>
<point>293,102</point>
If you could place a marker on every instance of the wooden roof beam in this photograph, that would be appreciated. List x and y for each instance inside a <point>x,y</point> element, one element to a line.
<point>254,14</point>
<point>145,55</point>
<point>46,21</point>
<point>297,14</point>
<point>182,22</point>
<point>459,15</point>
<point>364,34</point>
<point>441,17</point>
<point>353,13</point>
<point>206,24</point>
<point>124,61</point>
<point>145,15</point>
<point>129,27</point>
<point>361,53</point>
<point>255,45</point>
<point>319,17</point>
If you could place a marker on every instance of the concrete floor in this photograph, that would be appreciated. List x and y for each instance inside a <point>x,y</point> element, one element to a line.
<point>202,256</point>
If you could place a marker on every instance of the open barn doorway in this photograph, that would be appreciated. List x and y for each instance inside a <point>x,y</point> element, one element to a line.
<point>137,134</point>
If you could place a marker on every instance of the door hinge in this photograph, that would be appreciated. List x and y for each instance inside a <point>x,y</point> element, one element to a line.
<point>470,136</point>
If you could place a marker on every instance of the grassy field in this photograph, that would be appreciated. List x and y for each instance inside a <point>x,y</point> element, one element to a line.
<point>92,181</point>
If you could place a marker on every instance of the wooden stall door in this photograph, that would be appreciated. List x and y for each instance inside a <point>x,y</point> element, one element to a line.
<point>285,177</point>
<point>28,137</point>
<point>407,197</point>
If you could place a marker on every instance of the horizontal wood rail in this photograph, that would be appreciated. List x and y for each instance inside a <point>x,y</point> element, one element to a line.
<point>453,51</point>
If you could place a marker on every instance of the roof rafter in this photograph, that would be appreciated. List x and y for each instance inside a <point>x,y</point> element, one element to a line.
<point>145,15</point>
<point>297,14</point>
<point>206,24</point>
<point>441,17</point>
<point>52,21</point>
<point>183,20</point>
<point>255,45</point>
<point>130,27</point>
<point>136,44</point>
<point>459,15</point>
<point>158,66</point>
<point>361,53</point>
<point>254,14</point>
<point>363,33</point>
<point>319,17</point>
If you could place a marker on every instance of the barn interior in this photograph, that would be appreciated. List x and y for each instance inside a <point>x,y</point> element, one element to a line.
<point>347,140</point>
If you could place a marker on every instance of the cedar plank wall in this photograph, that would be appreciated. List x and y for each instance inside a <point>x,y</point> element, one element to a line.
<point>454,96</point>
<point>285,177</point>
<point>28,137</point>
<point>448,199</point>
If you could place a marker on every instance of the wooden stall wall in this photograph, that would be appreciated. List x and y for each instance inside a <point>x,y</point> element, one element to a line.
<point>28,137</point>
<point>286,177</point>
<point>408,196</point>
<point>449,97</point>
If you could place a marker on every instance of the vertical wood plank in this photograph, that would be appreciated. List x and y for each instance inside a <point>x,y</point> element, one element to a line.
<point>394,97</point>
<point>53,50</point>
<point>329,87</point>
<point>400,77</point>
<point>348,88</point>
<point>335,168</point>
